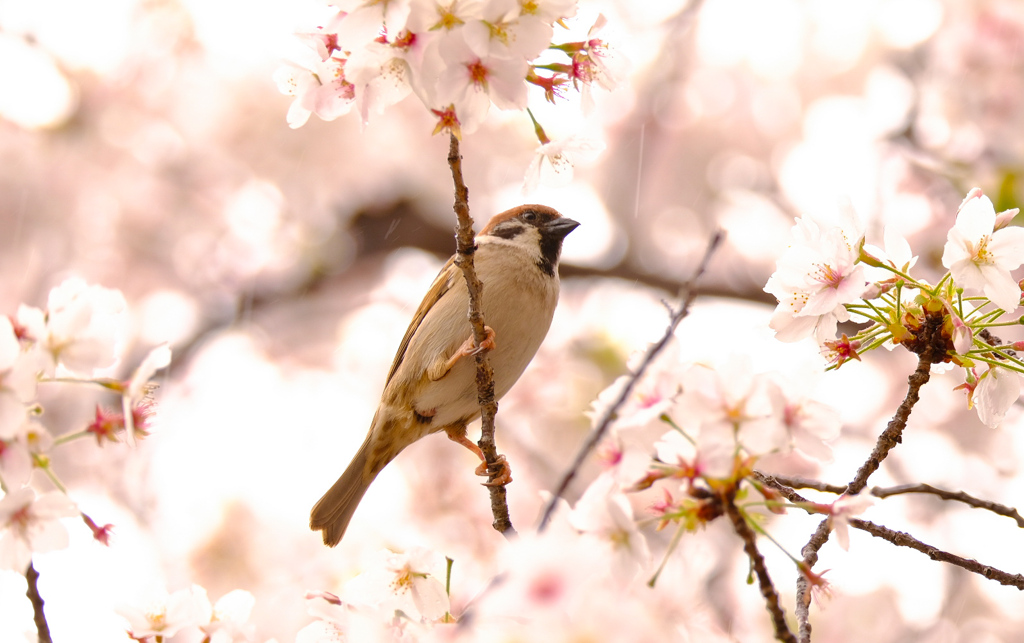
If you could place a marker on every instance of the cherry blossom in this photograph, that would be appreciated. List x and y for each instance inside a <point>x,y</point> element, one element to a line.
<point>15,458</point>
<point>840,513</point>
<point>712,458</point>
<point>17,379</point>
<point>80,328</point>
<point>553,161</point>
<point>981,257</point>
<point>407,581</point>
<point>319,87</point>
<point>810,423</point>
<point>168,615</point>
<point>364,18</point>
<point>471,82</point>
<point>731,407</point>
<point>138,386</point>
<point>442,15</point>
<point>31,525</point>
<point>228,619</point>
<point>814,279</point>
<point>548,11</point>
<point>603,512</point>
<point>996,391</point>
<point>503,32</point>
<point>594,62</point>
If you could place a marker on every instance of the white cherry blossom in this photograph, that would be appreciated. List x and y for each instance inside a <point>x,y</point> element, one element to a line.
<point>138,386</point>
<point>168,614</point>
<point>472,83</point>
<point>981,257</point>
<point>997,390</point>
<point>31,525</point>
<point>402,581</point>
<point>553,162</point>
<point>603,512</point>
<point>809,423</point>
<point>503,32</point>
<point>18,370</point>
<point>80,328</point>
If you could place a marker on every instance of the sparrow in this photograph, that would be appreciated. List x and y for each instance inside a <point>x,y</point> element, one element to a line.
<point>431,386</point>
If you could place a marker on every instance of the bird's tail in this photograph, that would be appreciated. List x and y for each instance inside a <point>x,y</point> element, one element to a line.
<point>332,513</point>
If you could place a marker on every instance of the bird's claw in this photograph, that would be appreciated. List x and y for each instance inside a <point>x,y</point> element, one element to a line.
<point>502,469</point>
<point>486,345</point>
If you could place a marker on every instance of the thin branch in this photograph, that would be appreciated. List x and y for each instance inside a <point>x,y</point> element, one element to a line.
<point>902,539</point>
<point>893,433</point>
<point>959,496</point>
<point>803,593</point>
<point>43,629</point>
<point>771,597</point>
<point>887,441</point>
<point>780,482</point>
<point>796,482</point>
<point>466,244</point>
<point>688,295</point>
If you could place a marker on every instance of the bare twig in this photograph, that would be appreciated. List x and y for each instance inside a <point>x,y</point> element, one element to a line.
<point>893,433</point>
<point>890,437</point>
<point>484,373</point>
<point>796,482</point>
<point>42,628</point>
<point>959,496</point>
<point>902,539</point>
<point>601,427</point>
<point>771,597</point>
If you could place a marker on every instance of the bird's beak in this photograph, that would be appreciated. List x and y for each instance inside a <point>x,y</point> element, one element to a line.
<point>561,227</point>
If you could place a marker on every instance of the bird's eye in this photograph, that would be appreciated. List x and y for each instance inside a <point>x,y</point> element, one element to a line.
<point>530,216</point>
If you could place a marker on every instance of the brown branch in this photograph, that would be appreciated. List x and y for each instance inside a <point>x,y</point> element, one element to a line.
<point>771,597</point>
<point>887,441</point>
<point>902,539</point>
<point>43,629</point>
<point>796,482</point>
<point>893,433</point>
<point>688,295</point>
<point>959,496</point>
<point>466,245</point>
<point>782,482</point>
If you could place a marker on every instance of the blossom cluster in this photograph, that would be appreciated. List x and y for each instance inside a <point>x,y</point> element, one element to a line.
<point>694,430</point>
<point>71,341</point>
<point>458,57</point>
<point>829,275</point>
<point>547,588</point>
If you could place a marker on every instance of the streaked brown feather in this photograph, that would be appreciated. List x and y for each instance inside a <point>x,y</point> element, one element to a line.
<point>442,283</point>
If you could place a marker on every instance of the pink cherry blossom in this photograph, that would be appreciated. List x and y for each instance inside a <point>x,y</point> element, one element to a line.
<point>319,87</point>
<point>814,279</point>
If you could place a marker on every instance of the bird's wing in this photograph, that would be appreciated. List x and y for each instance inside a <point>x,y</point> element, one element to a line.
<point>442,283</point>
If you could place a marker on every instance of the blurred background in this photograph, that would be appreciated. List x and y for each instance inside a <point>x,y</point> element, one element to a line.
<point>143,146</point>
